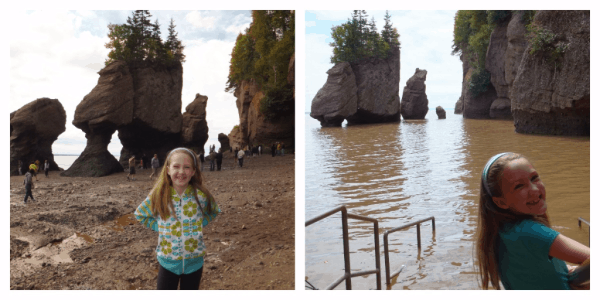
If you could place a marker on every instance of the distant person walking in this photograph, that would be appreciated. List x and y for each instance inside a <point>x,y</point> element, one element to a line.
<point>155,164</point>
<point>46,167</point>
<point>282,149</point>
<point>273,149</point>
<point>33,168</point>
<point>28,186</point>
<point>20,167</point>
<point>240,157</point>
<point>278,148</point>
<point>131,175</point>
<point>259,149</point>
<point>201,161</point>
<point>219,157</point>
<point>144,161</point>
<point>211,160</point>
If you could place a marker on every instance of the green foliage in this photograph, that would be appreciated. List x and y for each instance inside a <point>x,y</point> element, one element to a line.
<point>278,102</point>
<point>544,43</point>
<point>479,82</point>
<point>472,30</point>
<point>262,54</point>
<point>358,39</point>
<point>139,40</point>
<point>497,16</point>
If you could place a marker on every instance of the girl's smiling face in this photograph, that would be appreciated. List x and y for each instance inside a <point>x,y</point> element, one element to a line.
<point>522,189</point>
<point>181,169</point>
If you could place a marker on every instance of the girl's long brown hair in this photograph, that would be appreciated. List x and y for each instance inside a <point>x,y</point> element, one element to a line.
<point>490,221</point>
<point>160,197</point>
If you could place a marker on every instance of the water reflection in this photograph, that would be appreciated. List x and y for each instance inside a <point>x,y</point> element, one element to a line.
<point>402,172</point>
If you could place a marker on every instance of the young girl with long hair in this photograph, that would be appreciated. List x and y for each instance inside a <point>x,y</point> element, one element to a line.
<point>179,207</point>
<point>515,242</point>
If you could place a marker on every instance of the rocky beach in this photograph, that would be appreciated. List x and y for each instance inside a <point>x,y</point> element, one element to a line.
<point>80,233</point>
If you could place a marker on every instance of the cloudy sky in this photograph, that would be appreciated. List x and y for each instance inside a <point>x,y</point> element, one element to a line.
<point>426,40</point>
<point>57,54</point>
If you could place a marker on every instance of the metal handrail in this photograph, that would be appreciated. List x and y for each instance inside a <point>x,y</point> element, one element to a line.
<point>388,276</point>
<point>590,228</point>
<point>347,273</point>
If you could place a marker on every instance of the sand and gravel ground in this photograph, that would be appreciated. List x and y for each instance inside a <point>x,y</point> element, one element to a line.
<point>80,233</point>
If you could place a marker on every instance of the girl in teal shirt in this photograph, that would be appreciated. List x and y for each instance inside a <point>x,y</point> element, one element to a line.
<point>515,242</point>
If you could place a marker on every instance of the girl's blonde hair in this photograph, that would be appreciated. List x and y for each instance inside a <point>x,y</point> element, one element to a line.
<point>490,222</point>
<point>160,197</point>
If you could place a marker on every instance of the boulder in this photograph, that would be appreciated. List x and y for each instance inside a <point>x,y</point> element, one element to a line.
<point>194,129</point>
<point>337,99</point>
<point>33,129</point>
<point>441,113</point>
<point>554,97</point>
<point>142,103</point>
<point>500,109</point>
<point>224,140</point>
<point>414,103</point>
<point>378,89</point>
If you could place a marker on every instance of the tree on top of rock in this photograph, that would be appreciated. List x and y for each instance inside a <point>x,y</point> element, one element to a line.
<point>139,40</point>
<point>262,54</point>
<point>358,39</point>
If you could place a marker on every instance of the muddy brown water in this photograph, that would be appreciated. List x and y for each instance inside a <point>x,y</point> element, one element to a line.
<point>399,173</point>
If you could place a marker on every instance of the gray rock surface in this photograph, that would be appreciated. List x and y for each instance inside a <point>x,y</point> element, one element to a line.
<point>441,113</point>
<point>554,98</point>
<point>33,129</point>
<point>337,99</point>
<point>414,103</point>
<point>500,109</point>
<point>378,87</point>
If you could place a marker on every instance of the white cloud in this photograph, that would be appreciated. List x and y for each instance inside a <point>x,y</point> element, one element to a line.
<point>240,23</point>
<point>332,15</point>
<point>311,24</point>
<point>201,20</point>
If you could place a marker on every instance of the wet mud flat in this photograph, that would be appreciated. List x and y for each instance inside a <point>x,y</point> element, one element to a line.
<point>80,233</point>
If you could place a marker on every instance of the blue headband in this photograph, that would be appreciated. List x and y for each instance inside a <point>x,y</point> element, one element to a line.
<point>186,149</point>
<point>486,169</point>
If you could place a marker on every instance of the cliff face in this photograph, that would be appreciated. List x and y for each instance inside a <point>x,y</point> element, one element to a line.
<point>555,98</point>
<point>33,129</point>
<point>363,92</point>
<point>143,103</point>
<point>541,96</point>
<point>254,128</point>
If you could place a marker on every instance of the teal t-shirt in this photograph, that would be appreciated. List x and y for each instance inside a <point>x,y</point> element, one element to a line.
<point>524,263</point>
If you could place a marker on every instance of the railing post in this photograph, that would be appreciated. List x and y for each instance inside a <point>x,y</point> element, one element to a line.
<point>377,258</point>
<point>387,258</point>
<point>419,234</point>
<point>346,248</point>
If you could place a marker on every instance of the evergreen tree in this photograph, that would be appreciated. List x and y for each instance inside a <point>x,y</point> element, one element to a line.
<point>358,39</point>
<point>389,33</point>
<point>139,40</point>
<point>173,45</point>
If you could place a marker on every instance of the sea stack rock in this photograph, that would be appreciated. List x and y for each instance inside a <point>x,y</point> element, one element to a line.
<point>361,93</point>
<point>224,141</point>
<point>414,103</point>
<point>441,113</point>
<point>337,99</point>
<point>554,97</point>
<point>142,103</point>
<point>378,89</point>
<point>194,129</point>
<point>33,129</point>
